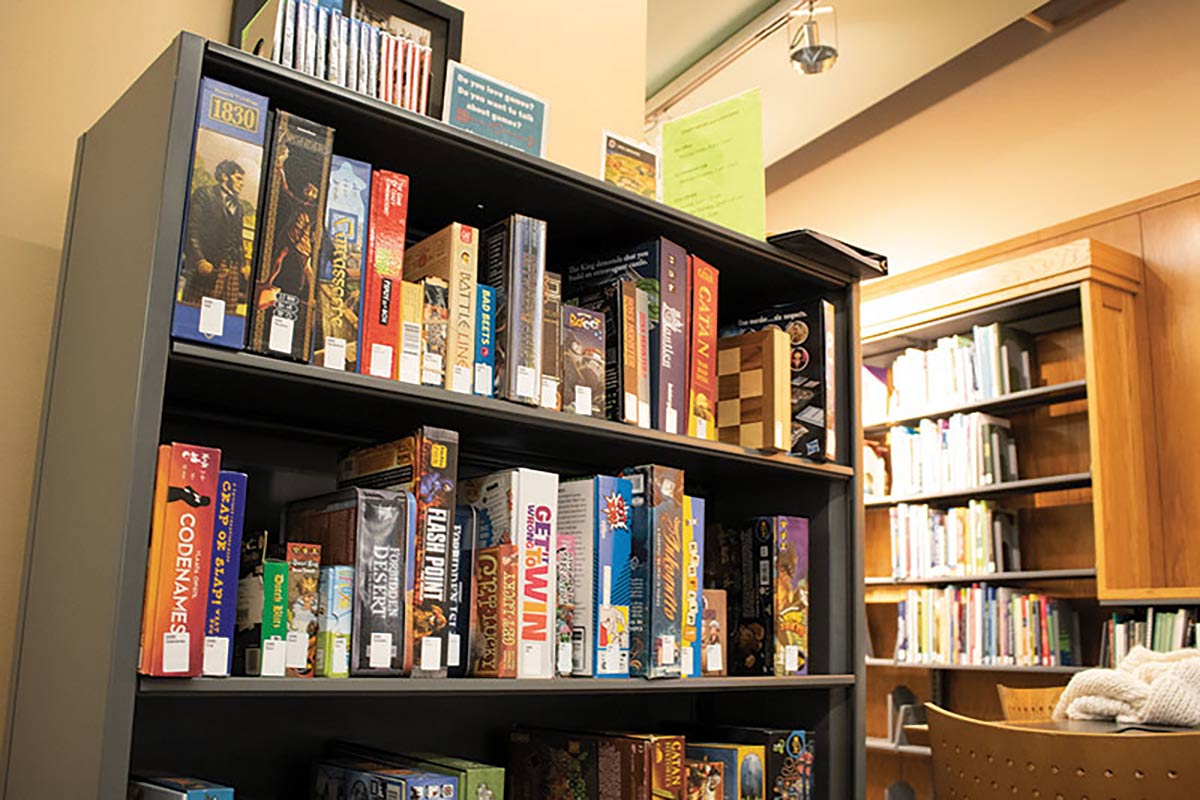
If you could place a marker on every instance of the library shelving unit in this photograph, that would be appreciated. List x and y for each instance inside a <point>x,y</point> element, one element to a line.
<point>1087,498</point>
<point>117,386</point>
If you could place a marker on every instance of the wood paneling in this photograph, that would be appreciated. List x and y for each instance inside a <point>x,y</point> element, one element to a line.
<point>1171,235</point>
<point>884,768</point>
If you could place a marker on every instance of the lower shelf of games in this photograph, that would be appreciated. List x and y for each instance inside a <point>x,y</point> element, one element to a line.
<point>481,686</point>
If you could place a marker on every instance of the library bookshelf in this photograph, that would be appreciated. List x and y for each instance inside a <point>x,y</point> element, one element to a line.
<point>1087,497</point>
<point>118,386</point>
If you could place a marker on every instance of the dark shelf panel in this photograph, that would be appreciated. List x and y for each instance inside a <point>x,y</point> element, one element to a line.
<point>888,662</point>
<point>476,686</point>
<point>879,744</point>
<point>1073,480</point>
<point>1005,404</point>
<point>208,382</point>
<point>995,577</point>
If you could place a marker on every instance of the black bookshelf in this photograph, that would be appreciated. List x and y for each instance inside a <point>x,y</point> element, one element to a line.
<point>1014,576</point>
<point>1049,483</point>
<point>117,387</point>
<point>1004,404</point>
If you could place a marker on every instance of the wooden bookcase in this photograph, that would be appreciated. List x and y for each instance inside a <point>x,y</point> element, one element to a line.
<point>117,386</point>
<point>1087,502</point>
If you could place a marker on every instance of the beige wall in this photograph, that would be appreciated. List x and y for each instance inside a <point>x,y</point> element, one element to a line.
<point>547,46</point>
<point>1105,114</point>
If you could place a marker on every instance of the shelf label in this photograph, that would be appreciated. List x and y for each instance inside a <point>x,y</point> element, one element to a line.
<point>212,317</point>
<point>176,652</point>
<point>379,655</point>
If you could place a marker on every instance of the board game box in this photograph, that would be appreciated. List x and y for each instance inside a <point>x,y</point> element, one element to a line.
<point>594,528</point>
<point>494,623</point>
<point>811,330</point>
<point>335,622</point>
<point>272,645</point>
<point>339,282</point>
<point>173,788</point>
<point>247,634</point>
<point>656,571</point>
<point>583,365</point>
<point>644,364</point>
<point>544,764</point>
<point>462,547</point>
<point>426,464</point>
<point>742,768</point>
<point>180,561</point>
<point>617,302</point>
<point>788,755</point>
<point>476,781</point>
<point>304,576</point>
<point>485,352</point>
<point>369,779</point>
<point>551,392</point>
<point>712,632</point>
<point>739,562</point>
<point>221,611</point>
<point>519,506</point>
<point>790,594</point>
<point>382,274</point>
<point>514,263</point>
<point>660,268</point>
<point>753,390</point>
<point>702,354</point>
<point>662,765</point>
<point>213,291</point>
<point>451,254</point>
<point>372,530</point>
<point>435,326</point>
<point>292,234</point>
<point>691,647</point>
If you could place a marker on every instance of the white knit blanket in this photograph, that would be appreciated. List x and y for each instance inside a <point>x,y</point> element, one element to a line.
<point>1145,688</point>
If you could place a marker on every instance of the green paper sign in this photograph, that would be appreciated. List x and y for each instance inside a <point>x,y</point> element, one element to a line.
<point>712,164</point>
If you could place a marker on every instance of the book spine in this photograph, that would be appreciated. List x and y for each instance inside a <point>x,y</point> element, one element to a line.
<point>494,617</point>
<point>373,62</point>
<point>273,643</point>
<point>301,44</point>
<point>304,576</point>
<point>380,323</point>
<point>364,60</point>
<point>535,506</point>
<point>671,335</point>
<point>221,611</point>
<point>702,367</point>
<point>434,330</point>
<point>464,262</point>
<point>426,69</point>
<point>333,72</point>
<point>461,598</point>
<point>485,351</point>
<point>334,622</point>
<point>435,480</point>
<point>213,286</point>
<point>551,390</point>
<point>691,650</point>
<point>644,383</point>
<point>287,54</point>
<point>627,345</point>
<point>339,281</point>
<point>322,50</point>
<point>611,504</point>
<point>829,331</point>
<point>344,52</point>
<point>277,40</point>
<point>352,54</point>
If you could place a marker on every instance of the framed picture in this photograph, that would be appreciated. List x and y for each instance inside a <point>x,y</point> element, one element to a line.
<point>428,22</point>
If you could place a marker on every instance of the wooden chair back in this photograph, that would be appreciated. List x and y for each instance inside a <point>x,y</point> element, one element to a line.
<point>1025,705</point>
<point>975,760</point>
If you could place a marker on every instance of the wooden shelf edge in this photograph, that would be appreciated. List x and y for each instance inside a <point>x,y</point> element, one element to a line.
<point>424,687</point>
<point>995,577</point>
<point>888,662</point>
<point>1013,401</point>
<point>1073,480</point>
<point>880,745</point>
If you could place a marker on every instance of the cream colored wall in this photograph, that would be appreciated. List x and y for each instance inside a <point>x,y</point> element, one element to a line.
<point>588,61</point>
<point>1105,114</point>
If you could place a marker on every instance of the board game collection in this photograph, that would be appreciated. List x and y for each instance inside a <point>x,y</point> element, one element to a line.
<point>295,251</point>
<point>685,761</point>
<point>406,570</point>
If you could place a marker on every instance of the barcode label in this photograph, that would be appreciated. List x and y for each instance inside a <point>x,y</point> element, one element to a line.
<point>431,653</point>
<point>460,380</point>
<point>381,360</point>
<point>216,656</point>
<point>564,658</point>
<point>631,407</point>
<point>702,427</point>
<point>410,338</point>
<point>281,335</point>
<point>176,652</point>
<point>297,650</point>
<point>483,379</point>
<point>212,316</point>
<point>583,400</point>
<point>791,658</point>
<point>454,647</point>
<point>643,414</point>
<point>527,383</point>
<point>379,655</point>
<point>410,367</point>
<point>713,662</point>
<point>335,352</point>
<point>549,393</point>
<point>341,657</point>
<point>672,420</point>
<point>274,659</point>
<point>666,650</point>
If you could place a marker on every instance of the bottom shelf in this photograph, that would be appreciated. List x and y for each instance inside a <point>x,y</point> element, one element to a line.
<point>879,744</point>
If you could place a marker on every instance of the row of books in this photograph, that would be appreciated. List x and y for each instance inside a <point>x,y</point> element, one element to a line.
<point>993,361</point>
<point>986,625</point>
<point>963,451</point>
<point>320,41</point>
<point>975,539</point>
<point>319,269</point>
<point>1160,631</point>
<point>693,760</point>
<point>404,571</point>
